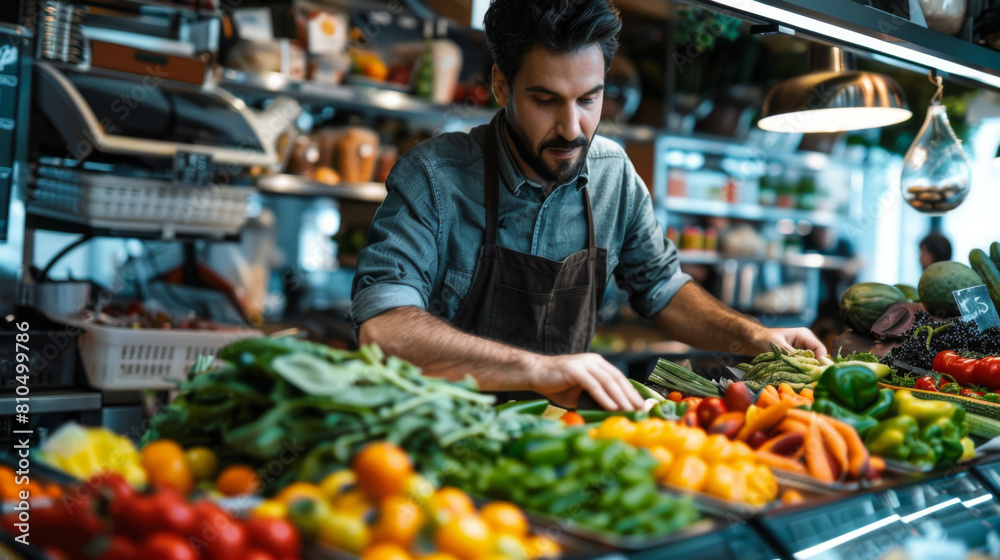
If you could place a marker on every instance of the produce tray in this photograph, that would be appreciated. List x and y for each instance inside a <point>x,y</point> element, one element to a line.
<point>901,468</point>
<point>788,479</point>
<point>719,507</point>
<point>552,528</point>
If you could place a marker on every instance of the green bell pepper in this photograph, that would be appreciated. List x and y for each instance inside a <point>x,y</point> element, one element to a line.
<point>893,438</point>
<point>943,435</point>
<point>859,422</point>
<point>880,408</point>
<point>922,455</point>
<point>850,385</point>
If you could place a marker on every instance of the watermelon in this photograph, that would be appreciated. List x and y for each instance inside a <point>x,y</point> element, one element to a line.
<point>939,281</point>
<point>862,304</point>
<point>909,291</point>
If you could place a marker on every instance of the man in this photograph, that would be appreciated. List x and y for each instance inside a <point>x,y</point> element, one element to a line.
<point>934,248</point>
<point>492,250</point>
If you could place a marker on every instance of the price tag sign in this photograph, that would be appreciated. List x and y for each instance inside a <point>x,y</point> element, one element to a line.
<point>976,305</point>
<point>192,169</point>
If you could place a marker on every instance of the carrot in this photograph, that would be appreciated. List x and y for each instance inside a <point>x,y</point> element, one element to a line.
<point>789,425</point>
<point>786,389</point>
<point>804,416</point>
<point>773,391</point>
<point>876,463</point>
<point>856,449</point>
<point>807,393</point>
<point>780,463</point>
<point>816,461</point>
<point>767,399</point>
<point>835,443</point>
<point>767,419</point>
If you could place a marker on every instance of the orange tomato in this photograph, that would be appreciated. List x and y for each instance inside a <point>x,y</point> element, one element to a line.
<point>449,502</point>
<point>505,518</point>
<point>399,521</point>
<point>238,479</point>
<point>571,418</point>
<point>166,465</point>
<point>385,551</point>
<point>466,536</point>
<point>382,469</point>
<point>299,491</point>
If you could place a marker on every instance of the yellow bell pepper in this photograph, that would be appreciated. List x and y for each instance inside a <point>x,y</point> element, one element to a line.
<point>727,483</point>
<point>688,471</point>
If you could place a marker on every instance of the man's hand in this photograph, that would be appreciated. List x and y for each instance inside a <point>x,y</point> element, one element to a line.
<point>799,337</point>
<point>563,378</point>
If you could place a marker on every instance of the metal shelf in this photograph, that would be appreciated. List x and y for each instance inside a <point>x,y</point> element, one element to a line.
<point>295,185</point>
<point>805,260</point>
<point>256,87</point>
<point>750,212</point>
<point>39,218</point>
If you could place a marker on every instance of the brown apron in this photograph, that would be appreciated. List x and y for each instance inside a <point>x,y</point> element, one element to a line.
<point>527,301</point>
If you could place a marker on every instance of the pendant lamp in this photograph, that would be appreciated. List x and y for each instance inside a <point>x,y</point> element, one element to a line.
<point>833,97</point>
<point>996,160</point>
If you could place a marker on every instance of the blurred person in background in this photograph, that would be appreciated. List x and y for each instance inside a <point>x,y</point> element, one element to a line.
<point>934,248</point>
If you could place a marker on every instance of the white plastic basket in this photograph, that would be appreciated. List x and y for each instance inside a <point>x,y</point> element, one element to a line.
<point>139,204</point>
<point>119,358</point>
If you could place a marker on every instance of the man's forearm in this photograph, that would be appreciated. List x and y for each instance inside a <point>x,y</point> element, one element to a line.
<point>441,350</point>
<point>697,318</point>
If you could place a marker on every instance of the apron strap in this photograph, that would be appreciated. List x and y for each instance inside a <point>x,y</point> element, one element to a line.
<point>492,183</point>
<point>591,243</point>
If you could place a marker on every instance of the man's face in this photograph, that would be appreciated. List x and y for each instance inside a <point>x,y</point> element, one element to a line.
<point>553,109</point>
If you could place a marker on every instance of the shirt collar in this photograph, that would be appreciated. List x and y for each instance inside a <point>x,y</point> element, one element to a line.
<point>511,173</point>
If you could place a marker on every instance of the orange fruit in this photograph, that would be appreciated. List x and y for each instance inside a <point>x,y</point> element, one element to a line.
<point>542,547</point>
<point>299,491</point>
<point>385,551</point>
<point>166,465</point>
<point>505,518</point>
<point>399,521</point>
<point>382,470</point>
<point>238,479</point>
<point>465,536</point>
<point>9,490</point>
<point>449,502</point>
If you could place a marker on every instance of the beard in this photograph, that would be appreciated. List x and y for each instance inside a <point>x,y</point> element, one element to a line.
<point>563,170</point>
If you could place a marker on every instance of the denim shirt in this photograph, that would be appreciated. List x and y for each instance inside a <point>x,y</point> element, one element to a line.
<point>424,239</point>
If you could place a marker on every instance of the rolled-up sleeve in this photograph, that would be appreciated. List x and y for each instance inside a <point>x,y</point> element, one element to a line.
<point>648,269</point>
<point>398,264</point>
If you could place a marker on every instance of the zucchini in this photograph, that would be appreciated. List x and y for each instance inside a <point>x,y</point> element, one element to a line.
<point>647,393</point>
<point>988,271</point>
<point>995,253</point>
<point>982,426</point>
<point>972,406</point>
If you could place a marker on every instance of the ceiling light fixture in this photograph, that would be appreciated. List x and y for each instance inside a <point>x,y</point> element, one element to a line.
<point>833,97</point>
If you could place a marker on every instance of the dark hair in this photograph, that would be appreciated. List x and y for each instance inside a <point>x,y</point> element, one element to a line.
<point>938,246</point>
<point>514,27</point>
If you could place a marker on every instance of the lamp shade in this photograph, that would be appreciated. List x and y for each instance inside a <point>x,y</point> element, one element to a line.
<point>996,160</point>
<point>833,98</point>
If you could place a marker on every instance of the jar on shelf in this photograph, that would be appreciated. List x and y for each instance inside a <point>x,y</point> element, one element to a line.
<point>711,239</point>
<point>674,235</point>
<point>692,239</point>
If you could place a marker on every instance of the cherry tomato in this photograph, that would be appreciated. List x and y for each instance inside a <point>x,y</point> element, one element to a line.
<point>276,536</point>
<point>120,548</point>
<point>167,546</point>
<point>971,393</point>
<point>708,410</point>
<point>225,538</point>
<point>925,383</point>
<point>175,515</point>
<point>675,396</point>
<point>571,418</point>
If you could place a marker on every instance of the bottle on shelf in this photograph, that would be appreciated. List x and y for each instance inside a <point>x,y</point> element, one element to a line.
<point>424,84</point>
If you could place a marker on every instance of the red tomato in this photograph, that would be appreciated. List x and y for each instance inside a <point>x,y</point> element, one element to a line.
<point>987,372</point>
<point>111,485</point>
<point>943,360</point>
<point>258,554</point>
<point>571,418</point>
<point>675,396</point>
<point>964,370</point>
<point>970,393</point>
<point>175,515</point>
<point>708,410</point>
<point>276,536</point>
<point>120,548</point>
<point>135,516</point>
<point>690,418</point>
<point>167,546</point>
<point>925,383</point>
<point>224,538</point>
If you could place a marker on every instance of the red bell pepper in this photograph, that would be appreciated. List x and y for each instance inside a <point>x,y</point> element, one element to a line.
<point>962,370</point>
<point>987,372</point>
